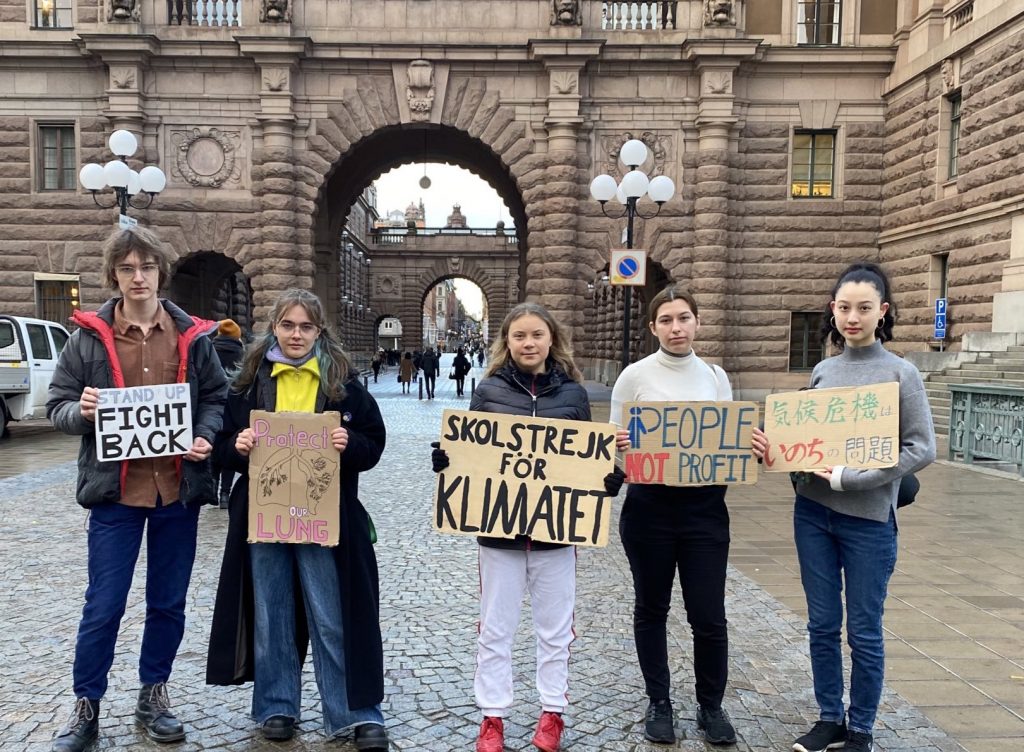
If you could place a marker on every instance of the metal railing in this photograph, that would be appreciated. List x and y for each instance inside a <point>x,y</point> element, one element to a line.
<point>398,235</point>
<point>637,16</point>
<point>986,422</point>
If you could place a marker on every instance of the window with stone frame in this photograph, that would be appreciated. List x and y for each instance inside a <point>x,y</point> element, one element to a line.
<point>955,101</point>
<point>805,350</point>
<point>813,164</point>
<point>818,21</point>
<point>57,297</point>
<point>53,14</point>
<point>58,163</point>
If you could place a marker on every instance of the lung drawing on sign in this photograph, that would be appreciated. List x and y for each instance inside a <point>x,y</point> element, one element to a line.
<point>287,464</point>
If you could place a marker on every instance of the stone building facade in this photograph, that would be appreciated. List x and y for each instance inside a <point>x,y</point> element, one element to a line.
<point>801,135</point>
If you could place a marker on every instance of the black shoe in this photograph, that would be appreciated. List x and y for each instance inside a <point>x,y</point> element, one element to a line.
<point>153,711</point>
<point>823,735</point>
<point>857,741</point>
<point>224,500</point>
<point>81,729</point>
<point>659,725</point>
<point>278,728</point>
<point>371,736</point>
<point>716,726</point>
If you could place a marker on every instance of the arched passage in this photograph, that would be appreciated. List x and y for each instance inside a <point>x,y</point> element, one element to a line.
<point>492,314</point>
<point>212,286</point>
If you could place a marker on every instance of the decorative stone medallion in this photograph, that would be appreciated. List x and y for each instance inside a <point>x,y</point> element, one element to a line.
<point>388,287</point>
<point>657,152</point>
<point>206,158</point>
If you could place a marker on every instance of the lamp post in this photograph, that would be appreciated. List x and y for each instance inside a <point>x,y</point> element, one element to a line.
<point>131,188</point>
<point>634,185</point>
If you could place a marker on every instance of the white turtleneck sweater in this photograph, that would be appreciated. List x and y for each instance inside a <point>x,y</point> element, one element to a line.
<point>662,377</point>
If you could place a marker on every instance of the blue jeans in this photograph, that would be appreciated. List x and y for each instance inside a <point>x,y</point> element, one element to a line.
<point>833,548</point>
<point>277,686</point>
<point>115,535</point>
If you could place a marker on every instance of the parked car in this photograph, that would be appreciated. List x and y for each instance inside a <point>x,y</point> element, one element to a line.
<point>29,349</point>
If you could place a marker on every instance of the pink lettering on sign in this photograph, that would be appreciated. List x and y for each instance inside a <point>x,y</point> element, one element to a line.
<point>279,527</point>
<point>293,438</point>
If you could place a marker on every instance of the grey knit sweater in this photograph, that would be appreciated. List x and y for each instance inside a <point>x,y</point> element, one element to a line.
<point>872,493</point>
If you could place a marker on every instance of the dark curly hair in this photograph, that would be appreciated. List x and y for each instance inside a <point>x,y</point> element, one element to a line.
<point>874,276</point>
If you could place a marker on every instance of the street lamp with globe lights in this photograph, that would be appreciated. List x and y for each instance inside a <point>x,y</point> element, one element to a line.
<point>634,185</point>
<point>131,188</point>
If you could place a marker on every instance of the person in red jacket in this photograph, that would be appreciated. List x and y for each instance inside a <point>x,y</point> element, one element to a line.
<point>136,340</point>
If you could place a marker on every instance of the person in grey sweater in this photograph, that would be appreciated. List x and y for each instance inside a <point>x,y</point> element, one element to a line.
<point>844,518</point>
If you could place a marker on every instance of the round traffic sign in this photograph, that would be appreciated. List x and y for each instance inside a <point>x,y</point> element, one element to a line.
<point>627,267</point>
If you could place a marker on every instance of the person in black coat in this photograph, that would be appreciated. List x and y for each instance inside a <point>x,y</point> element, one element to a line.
<point>260,630</point>
<point>430,362</point>
<point>228,345</point>
<point>531,373</point>
<point>460,367</point>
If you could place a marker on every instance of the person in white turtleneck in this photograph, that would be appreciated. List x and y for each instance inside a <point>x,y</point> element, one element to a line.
<point>666,529</point>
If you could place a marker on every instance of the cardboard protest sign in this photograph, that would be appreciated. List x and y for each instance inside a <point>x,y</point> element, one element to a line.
<point>690,443</point>
<point>818,428</point>
<point>143,421</point>
<point>516,475</point>
<point>294,479</point>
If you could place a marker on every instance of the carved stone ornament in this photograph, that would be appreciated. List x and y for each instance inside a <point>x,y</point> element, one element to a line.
<point>388,287</point>
<point>566,13</point>
<point>206,158</point>
<point>122,78</point>
<point>420,90</point>
<point>123,11</point>
<point>718,13</point>
<point>657,152</point>
<point>275,11</point>
<point>565,82</point>
<point>455,264</point>
<point>718,82</point>
<point>275,79</point>
<point>949,77</point>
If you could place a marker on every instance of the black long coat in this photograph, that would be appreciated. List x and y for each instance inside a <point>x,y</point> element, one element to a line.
<point>230,657</point>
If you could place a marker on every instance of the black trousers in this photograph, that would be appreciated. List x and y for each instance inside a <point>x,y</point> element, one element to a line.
<point>666,531</point>
<point>430,382</point>
<point>460,385</point>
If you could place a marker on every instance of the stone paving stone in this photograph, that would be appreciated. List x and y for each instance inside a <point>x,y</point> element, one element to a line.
<point>429,586</point>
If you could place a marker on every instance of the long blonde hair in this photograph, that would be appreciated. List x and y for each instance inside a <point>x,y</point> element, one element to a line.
<point>561,350</point>
<point>334,364</point>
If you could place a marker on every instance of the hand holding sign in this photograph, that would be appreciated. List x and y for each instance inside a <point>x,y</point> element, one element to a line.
<point>200,450</point>
<point>89,401</point>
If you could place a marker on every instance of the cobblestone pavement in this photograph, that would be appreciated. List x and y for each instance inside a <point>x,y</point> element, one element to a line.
<point>429,612</point>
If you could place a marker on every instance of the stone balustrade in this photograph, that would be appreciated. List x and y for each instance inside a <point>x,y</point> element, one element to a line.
<point>635,16</point>
<point>204,12</point>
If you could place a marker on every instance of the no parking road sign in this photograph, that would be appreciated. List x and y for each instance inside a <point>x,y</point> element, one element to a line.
<point>628,267</point>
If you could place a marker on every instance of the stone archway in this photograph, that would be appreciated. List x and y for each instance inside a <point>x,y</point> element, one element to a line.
<point>497,297</point>
<point>212,286</point>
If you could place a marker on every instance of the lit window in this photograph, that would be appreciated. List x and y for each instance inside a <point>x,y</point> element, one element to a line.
<point>817,21</point>
<point>813,164</point>
<point>58,166</point>
<point>53,14</point>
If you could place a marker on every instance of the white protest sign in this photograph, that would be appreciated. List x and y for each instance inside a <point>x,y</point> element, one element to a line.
<point>143,421</point>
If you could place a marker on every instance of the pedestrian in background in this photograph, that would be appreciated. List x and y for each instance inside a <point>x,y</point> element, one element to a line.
<point>430,363</point>
<point>275,598</point>
<point>375,363</point>
<point>532,372</point>
<point>405,372</point>
<point>844,519</point>
<point>461,366</point>
<point>670,529</point>
<point>136,339</point>
<point>228,344</point>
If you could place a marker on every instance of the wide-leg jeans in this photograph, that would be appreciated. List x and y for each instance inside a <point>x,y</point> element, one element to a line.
<point>277,686</point>
<point>114,538</point>
<point>837,550</point>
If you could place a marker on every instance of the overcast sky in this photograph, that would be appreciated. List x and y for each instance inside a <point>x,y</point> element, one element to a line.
<point>449,185</point>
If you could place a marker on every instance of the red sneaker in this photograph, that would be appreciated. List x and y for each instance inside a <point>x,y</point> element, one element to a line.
<point>548,735</point>
<point>492,735</point>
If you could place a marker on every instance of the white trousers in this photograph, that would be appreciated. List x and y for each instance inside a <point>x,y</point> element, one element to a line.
<point>505,575</point>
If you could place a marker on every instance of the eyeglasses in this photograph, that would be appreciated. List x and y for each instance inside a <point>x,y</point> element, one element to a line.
<point>306,329</point>
<point>126,270</point>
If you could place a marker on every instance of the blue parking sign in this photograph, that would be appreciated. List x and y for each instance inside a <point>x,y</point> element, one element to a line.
<point>940,308</point>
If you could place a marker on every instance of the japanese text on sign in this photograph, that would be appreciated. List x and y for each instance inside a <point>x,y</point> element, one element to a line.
<point>818,428</point>
<point>690,443</point>
<point>294,479</point>
<point>143,421</point>
<point>516,475</point>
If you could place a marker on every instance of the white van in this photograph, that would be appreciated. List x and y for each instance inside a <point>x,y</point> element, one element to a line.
<point>29,349</point>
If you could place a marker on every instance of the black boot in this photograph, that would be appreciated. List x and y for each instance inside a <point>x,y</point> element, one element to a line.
<point>154,712</point>
<point>81,729</point>
<point>371,736</point>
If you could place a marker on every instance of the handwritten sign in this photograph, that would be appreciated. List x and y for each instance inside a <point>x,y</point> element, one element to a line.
<point>143,421</point>
<point>690,443</point>
<point>817,428</point>
<point>294,479</point>
<point>516,475</point>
